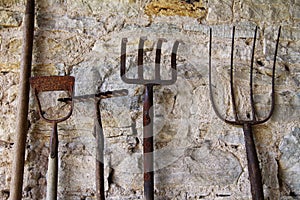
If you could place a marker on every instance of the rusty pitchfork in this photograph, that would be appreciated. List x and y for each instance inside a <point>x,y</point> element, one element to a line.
<point>98,134</point>
<point>44,84</point>
<point>148,110</point>
<point>253,163</point>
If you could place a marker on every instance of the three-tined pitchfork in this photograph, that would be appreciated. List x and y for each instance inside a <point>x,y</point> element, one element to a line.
<point>253,163</point>
<point>148,110</point>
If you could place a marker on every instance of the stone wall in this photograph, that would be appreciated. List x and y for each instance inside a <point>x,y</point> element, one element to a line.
<point>197,156</point>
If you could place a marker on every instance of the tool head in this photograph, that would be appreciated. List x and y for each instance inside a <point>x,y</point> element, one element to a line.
<point>254,120</point>
<point>140,79</point>
<point>97,97</point>
<point>52,83</point>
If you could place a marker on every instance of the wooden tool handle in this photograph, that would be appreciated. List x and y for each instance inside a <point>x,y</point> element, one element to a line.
<point>148,143</point>
<point>253,164</point>
<point>52,178</point>
<point>54,141</point>
<point>99,172</point>
<point>52,174</point>
<point>16,184</point>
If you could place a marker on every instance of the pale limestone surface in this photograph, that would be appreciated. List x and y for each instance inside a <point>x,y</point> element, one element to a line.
<point>197,156</point>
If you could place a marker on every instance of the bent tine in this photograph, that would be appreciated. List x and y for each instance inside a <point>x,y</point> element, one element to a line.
<point>173,60</point>
<point>254,119</point>
<point>212,100</point>
<point>251,79</point>
<point>273,81</point>
<point>231,78</point>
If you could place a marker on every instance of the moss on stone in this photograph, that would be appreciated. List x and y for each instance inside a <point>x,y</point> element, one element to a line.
<point>175,7</point>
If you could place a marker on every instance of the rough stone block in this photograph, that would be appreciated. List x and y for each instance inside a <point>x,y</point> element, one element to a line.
<point>289,160</point>
<point>10,19</point>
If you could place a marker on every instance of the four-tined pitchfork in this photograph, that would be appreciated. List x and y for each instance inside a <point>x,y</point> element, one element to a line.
<point>148,110</point>
<point>253,163</point>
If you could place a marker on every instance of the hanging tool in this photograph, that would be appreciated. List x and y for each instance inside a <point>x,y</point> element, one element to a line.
<point>44,84</point>
<point>23,100</point>
<point>253,163</point>
<point>148,110</point>
<point>98,134</point>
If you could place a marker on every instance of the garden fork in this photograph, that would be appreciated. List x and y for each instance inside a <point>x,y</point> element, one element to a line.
<point>44,84</point>
<point>253,163</point>
<point>148,110</point>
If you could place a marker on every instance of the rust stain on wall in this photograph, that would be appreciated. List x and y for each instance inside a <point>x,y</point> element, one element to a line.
<point>176,7</point>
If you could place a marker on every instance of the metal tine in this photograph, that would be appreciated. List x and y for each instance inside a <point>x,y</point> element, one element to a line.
<point>157,80</point>
<point>140,58</point>
<point>123,63</point>
<point>173,60</point>
<point>231,82</point>
<point>211,96</point>
<point>140,78</point>
<point>254,117</point>
<point>158,58</point>
<point>231,78</point>
<point>273,82</point>
<point>123,59</point>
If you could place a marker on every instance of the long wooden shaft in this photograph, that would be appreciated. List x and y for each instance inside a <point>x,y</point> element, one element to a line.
<point>148,114</point>
<point>253,165</point>
<point>98,133</point>
<point>52,178</point>
<point>52,174</point>
<point>23,100</point>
